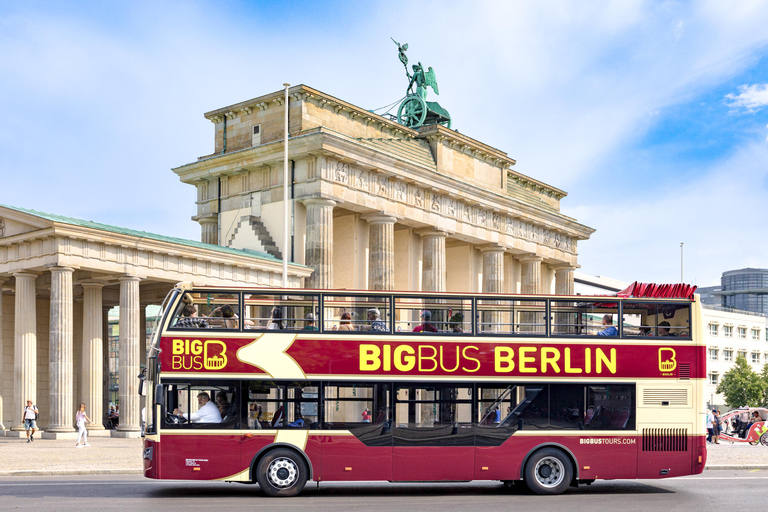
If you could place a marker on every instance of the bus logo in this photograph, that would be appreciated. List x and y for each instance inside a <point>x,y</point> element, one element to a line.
<point>197,355</point>
<point>667,362</point>
<point>214,356</point>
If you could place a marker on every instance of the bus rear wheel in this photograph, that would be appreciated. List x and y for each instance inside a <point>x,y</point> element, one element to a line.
<point>281,473</point>
<point>548,471</point>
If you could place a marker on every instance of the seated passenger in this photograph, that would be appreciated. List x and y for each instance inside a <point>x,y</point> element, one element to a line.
<point>456,321</point>
<point>425,326</point>
<point>610,330</point>
<point>346,323</point>
<point>664,329</point>
<point>207,413</point>
<point>276,322</point>
<point>225,317</point>
<point>189,318</point>
<point>222,403</point>
<point>310,319</point>
<point>645,330</point>
<point>377,324</point>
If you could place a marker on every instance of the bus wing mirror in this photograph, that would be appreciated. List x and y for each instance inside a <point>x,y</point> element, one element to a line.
<point>159,394</point>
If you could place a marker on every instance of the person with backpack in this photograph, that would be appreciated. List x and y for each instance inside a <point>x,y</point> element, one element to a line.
<point>30,420</point>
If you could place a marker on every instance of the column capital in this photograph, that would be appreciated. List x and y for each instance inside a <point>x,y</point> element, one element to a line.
<point>563,267</point>
<point>380,218</point>
<point>128,278</point>
<point>425,232</point>
<point>26,273</point>
<point>319,201</point>
<point>208,220</point>
<point>491,248</point>
<point>91,284</point>
<point>59,268</point>
<point>532,258</point>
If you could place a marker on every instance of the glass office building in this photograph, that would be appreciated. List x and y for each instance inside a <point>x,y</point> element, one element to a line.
<point>745,289</point>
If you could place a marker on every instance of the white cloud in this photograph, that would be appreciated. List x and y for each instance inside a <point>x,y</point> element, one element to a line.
<point>720,218</point>
<point>750,98</point>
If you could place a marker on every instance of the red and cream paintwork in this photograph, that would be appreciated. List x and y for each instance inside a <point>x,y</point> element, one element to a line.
<point>652,365</point>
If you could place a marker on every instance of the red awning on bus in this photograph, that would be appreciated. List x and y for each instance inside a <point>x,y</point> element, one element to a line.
<point>662,291</point>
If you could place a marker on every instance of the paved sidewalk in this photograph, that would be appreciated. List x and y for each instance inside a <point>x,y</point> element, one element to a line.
<point>108,455</point>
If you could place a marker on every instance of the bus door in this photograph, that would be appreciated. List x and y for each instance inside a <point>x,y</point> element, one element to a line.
<point>432,431</point>
<point>200,442</point>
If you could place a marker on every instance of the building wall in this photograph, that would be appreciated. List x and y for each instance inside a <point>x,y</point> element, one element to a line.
<point>717,365</point>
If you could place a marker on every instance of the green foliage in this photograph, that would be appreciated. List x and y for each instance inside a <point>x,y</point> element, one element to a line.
<point>741,385</point>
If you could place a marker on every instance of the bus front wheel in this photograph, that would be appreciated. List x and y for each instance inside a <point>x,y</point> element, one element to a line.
<point>281,472</point>
<point>548,471</point>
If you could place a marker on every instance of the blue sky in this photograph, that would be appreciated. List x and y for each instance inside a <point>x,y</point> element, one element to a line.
<point>653,116</point>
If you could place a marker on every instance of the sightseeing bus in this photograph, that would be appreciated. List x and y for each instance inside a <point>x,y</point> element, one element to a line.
<point>284,386</point>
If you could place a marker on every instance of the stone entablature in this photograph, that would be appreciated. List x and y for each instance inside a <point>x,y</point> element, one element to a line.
<point>329,164</point>
<point>39,245</point>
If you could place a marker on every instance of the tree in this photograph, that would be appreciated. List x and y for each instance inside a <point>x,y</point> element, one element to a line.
<point>741,385</point>
<point>765,382</point>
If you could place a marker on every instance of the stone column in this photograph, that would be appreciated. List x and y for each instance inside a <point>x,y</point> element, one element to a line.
<point>433,260</point>
<point>209,229</point>
<point>128,366</point>
<point>60,356</point>
<point>530,277</point>
<point>2,427</point>
<point>381,252</point>
<point>564,280</point>
<point>564,321</point>
<point>319,249</point>
<point>530,274</point>
<point>493,268</point>
<point>93,354</point>
<point>24,347</point>
<point>493,282</point>
<point>105,359</point>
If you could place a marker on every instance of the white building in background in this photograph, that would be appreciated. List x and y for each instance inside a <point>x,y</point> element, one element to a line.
<point>727,334</point>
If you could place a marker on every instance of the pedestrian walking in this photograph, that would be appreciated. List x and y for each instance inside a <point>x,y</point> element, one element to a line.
<point>82,433</point>
<point>30,420</point>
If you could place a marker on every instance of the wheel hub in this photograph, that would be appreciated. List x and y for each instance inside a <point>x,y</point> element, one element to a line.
<point>282,472</point>
<point>549,472</point>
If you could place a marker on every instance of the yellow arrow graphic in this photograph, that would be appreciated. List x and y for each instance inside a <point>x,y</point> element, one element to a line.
<point>268,353</point>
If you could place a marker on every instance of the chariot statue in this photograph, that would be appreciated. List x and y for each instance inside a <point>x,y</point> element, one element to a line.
<point>415,110</point>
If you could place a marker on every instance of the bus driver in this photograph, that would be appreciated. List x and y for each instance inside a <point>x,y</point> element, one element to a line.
<point>207,413</point>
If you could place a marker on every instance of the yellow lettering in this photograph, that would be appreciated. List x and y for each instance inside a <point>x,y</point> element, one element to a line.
<point>369,358</point>
<point>432,358</point>
<point>524,358</point>
<point>550,356</point>
<point>176,362</point>
<point>568,368</point>
<point>588,360</point>
<point>610,363</point>
<point>196,347</point>
<point>404,363</point>
<point>464,353</point>
<point>442,360</point>
<point>197,363</point>
<point>503,359</point>
<point>387,358</point>
<point>177,347</point>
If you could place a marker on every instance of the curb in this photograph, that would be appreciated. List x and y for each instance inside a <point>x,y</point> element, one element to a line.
<point>736,467</point>
<point>69,472</point>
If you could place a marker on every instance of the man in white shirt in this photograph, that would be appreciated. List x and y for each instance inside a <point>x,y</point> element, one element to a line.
<point>207,413</point>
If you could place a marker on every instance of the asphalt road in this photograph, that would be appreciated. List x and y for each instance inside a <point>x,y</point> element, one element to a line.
<point>720,489</point>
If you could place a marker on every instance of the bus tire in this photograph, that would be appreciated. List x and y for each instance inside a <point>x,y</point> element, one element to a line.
<point>548,471</point>
<point>281,472</point>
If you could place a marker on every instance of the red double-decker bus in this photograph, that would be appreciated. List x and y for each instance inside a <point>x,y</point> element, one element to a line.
<point>283,386</point>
